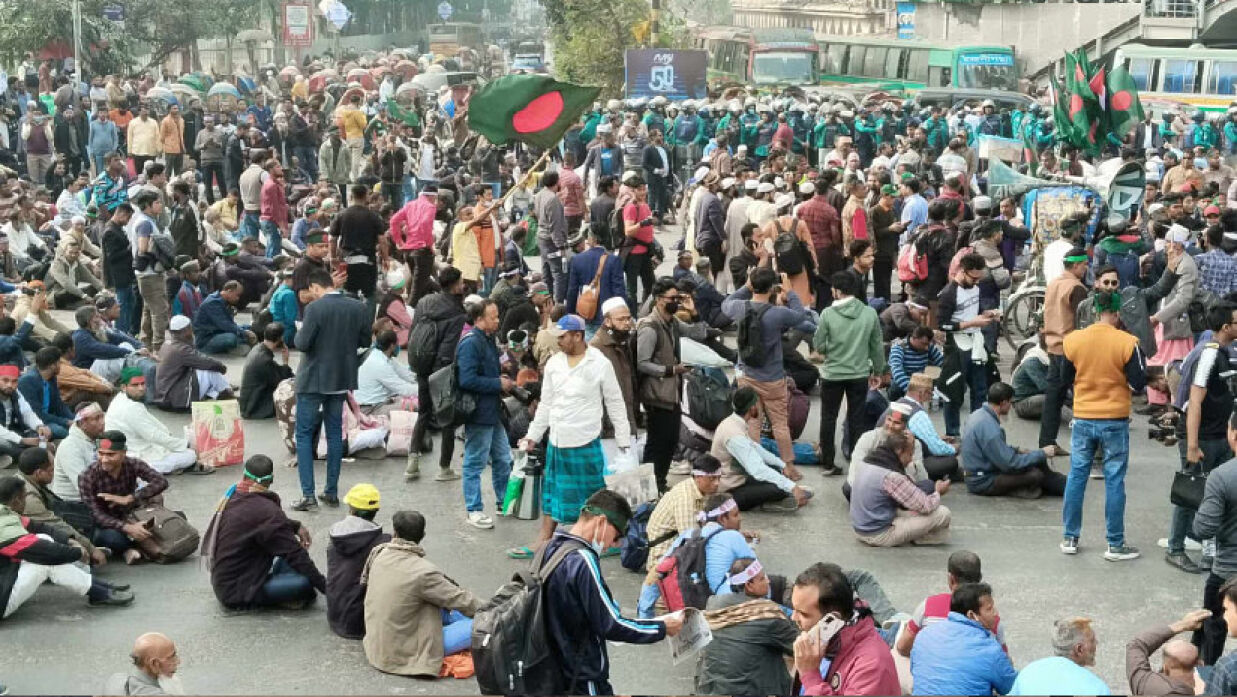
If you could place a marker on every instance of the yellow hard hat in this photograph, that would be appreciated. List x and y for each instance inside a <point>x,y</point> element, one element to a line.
<point>363,497</point>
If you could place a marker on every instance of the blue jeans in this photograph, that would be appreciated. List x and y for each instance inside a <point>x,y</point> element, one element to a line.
<point>126,297</point>
<point>805,454</point>
<point>314,409</point>
<point>59,432</point>
<point>284,585</point>
<point>308,155</point>
<point>273,244</point>
<point>248,226</point>
<point>553,270</point>
<point>456,632</point>
<point>220,343</point>
<point>485,442</point>
<point>488,278</point>
<point>1215,453</point>
<point>645,607</point>
<point>1113,435</point>
<point>111,538</point>
<point>97,160</point>
<point>976,377</point>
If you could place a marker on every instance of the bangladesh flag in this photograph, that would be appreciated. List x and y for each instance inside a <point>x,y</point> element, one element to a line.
<point>1060,114</point>
<point>534,109</point>
<point>1124,108</point>
<point>408,116</point>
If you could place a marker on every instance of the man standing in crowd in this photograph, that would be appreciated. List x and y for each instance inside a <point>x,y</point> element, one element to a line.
<point>659,376</point>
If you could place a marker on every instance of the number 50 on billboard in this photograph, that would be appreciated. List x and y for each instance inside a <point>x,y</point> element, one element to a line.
<point>675,75</point>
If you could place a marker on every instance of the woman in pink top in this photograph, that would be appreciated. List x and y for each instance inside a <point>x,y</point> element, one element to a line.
<point>638,226</point>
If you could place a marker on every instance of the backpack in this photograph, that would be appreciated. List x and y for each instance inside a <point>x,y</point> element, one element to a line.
<point>708,398</point>
<point>451,404</point>
<point>590,294</point>
<point>956,263</point>
<point>786,248</point>
<point>751,335</point>
<point>636,544</point>
<point>172,537</point>
<point>510,645</point>
<point>423,346</point>
<point>617,230</point>
<point>1198,308</point>
<point>164,250</point>
<point>912,263</point>
<point>681,574</point>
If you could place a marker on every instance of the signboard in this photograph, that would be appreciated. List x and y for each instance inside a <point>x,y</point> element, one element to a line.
<point>1004,149</point>
<point>673,74</point>
<point>445,10</point>
<point>986,59</point>
<point>298,26</point>
<point>114,13</point>
<point>906,20</point>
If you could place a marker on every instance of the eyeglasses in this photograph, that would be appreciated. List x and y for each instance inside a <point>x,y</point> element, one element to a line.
<point>671,297</point>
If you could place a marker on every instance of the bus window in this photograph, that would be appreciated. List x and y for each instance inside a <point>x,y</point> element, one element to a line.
<point>836,61</point>
<point>1141,71</point>
<point>917,69</point>
<point>1223,78</point>
<point>1181,76</point>
<point>874,61</point>
<point>894,63</point>
<point>854,60</point>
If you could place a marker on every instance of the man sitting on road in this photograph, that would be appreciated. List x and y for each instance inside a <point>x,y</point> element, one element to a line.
<point>940,456</point>
<point>887,508</point>
<point>960,656</point>
<point>109,488</point>
<point>214,325</point>
<point>383,383</point>
<point>1066,673</point>
<point>263,373</point>
<point>39,471</point>
<point>42,392</point>
<point>753,475</point>
<point>78,385</point>
<point>75,453</point>
<point>351,541</point>
<point>186,375</point>
<point>962,568</point>
<point>1176,676</point>
<point>20,426</point>
<point>100,349</point>
<point>259,557</point>
<point>993,466</point>
<point>148,439</point>
<point>910,356</point>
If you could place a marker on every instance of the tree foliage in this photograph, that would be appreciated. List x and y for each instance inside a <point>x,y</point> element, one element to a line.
<point>590,36</point>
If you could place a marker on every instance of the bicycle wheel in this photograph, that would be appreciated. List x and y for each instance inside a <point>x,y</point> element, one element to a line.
<point>1023,317</point>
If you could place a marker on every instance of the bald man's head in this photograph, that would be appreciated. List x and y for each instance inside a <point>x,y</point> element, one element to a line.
<point>1180,657</point>
<point>155,655</point>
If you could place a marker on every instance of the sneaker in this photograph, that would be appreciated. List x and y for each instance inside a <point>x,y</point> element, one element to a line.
<point>1191,544</point>
<point>830,470</point>
<point>413,470</point>
<point>1183,562</point>
<point>786,504</point>
<point>113,598</point>
<point>329,499</point>
<point>1121,553</point>
<point>1069,545</point>
<point>477,519</point>
<point>112,586</point>
<point>306,504</point>
<point>446,474</point>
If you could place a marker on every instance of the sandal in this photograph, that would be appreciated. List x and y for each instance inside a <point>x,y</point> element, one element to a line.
<point>520,553</point>
<point>199,468</point>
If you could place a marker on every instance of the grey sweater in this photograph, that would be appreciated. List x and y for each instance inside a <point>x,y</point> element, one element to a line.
<point>1217,517</point>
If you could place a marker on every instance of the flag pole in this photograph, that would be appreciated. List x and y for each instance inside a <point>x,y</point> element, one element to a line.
<point>524,179</point>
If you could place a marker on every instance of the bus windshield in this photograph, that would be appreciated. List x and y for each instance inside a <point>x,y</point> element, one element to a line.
<point>794,67</point>
<point>994,71</point>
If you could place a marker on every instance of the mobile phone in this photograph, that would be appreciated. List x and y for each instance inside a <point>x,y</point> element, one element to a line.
<point>828,627</point>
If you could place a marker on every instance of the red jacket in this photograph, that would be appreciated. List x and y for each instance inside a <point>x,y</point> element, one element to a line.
<point>863,665</point>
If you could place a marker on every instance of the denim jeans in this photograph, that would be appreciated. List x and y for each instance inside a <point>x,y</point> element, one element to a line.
<point>1113,435</point>
<point>212,175</point>
<point>273,239</point>
<point>805,453</point>
<point>645,606</point>
<point>976,377</point>
<point>284,585</point>
<point>308,155</point>
<point>489,276</point>
<point>126,297</point>
<point>456,632</point>
<point>220,343</point>
<point>59,432</point>
<point>248,226</point>
<point>1215,453</point>
<point>313,409</point>
<point>113,539</point>
<point>484,442</point>
<point>553,270</point>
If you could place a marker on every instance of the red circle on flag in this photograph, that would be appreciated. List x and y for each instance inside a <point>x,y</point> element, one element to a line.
<point>1078,75</point>
<point>538,114</point>
<point>1122,100</point>
<point>1075,105</point>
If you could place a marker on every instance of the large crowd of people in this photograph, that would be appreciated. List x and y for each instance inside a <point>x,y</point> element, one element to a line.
<point>373,245</point>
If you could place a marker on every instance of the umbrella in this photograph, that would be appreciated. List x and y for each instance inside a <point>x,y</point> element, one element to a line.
<point>406,93</point>
<point>246,85</point>
<point>185,92</point>
<point>193,81</point>
<point>289,73</point>
<point>406,68</point>
<point>362,76</point>
<point>319,80</point>
<point>162,98</point>
<point>379,71</point>
<point>222,97</point>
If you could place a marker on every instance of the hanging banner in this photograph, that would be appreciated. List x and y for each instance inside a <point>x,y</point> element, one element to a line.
<point>906,20</point>
<point>673,74</point>
<point>298,26</point>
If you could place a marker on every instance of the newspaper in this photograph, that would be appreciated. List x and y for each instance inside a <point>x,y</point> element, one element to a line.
<point>694,635</point>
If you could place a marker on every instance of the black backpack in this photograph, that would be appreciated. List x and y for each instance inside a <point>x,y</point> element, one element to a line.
<point>510,645</point>
<point>751,335</point>
<point>423,346</point>
<point>681,574</point>
<point>708,398</point>
<point>787,250</point>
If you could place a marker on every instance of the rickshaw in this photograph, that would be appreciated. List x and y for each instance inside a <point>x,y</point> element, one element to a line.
<point>160,100</point>
<point>222,98</point>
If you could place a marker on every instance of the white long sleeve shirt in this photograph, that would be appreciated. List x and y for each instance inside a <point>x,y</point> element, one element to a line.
<point>572,401</point>
<point>148,439</point>
<point>380,378</point>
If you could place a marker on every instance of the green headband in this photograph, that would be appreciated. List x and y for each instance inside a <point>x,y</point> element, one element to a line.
<point>618,520</point>
<point>1076,259</point>
<point>230,252</point>
<point>261,480</point>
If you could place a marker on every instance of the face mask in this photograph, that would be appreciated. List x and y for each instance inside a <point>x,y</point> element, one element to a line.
<point>672,306</point>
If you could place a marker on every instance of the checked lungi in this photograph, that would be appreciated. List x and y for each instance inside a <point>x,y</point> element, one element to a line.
<point>571,476</point>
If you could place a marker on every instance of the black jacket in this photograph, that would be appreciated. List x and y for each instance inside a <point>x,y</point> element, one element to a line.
<point>351,541</point>
<point>117,258</point>
<point>446,311</point>
<point>258,382</point>
<point>335,326</point>
<point>746,658</point>
<point>253,530</point>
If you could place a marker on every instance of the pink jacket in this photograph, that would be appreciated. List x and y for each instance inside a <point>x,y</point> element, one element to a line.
<point>412,227</point>
<point>863,665</point>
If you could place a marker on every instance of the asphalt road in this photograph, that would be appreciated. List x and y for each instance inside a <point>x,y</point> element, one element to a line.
<point>57,645</point>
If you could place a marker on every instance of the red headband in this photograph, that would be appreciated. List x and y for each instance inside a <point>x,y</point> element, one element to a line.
<point>9,371</point>
<point>136,380</point>
<point>109,444</point>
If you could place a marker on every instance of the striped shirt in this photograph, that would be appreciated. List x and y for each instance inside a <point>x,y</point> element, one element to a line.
<point>905,361</point>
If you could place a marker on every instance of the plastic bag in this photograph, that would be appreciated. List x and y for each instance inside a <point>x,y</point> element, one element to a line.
<point>693,352</point>
<point>617,462</point>
<point>637,486</point>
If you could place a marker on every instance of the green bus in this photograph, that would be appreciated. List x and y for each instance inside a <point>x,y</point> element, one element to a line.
<point>895,64</point>
<point>761,57</point>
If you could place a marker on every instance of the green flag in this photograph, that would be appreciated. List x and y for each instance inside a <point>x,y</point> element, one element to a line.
<point>1124,108</point>
<point>408,116</point>
<point>535,109</point>
<point>1060,115</point>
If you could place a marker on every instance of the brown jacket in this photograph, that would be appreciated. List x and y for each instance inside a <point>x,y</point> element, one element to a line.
<point>404,598</point>
<point>1143,679</point>
<point>172,135</point>
<point>620,356</point>
<point>39,509</point>
<point>1061,301</point>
